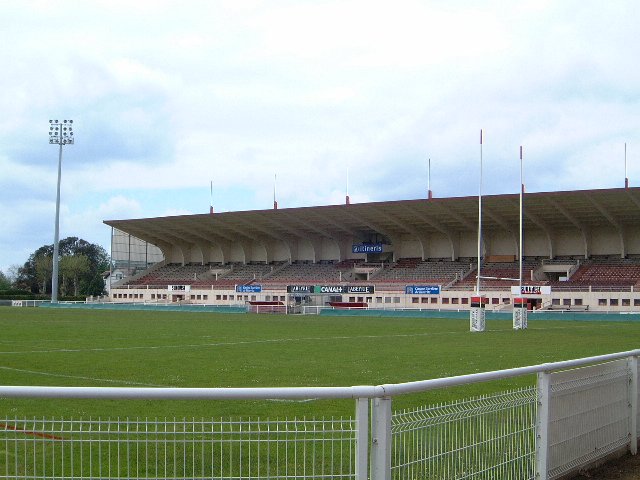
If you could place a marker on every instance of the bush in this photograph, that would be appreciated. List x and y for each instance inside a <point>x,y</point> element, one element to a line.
<point>79,298</point>
<point>15,291</point>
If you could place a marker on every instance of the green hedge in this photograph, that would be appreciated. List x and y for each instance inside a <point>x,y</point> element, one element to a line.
<point>23,295</point>
<point>15,291</point>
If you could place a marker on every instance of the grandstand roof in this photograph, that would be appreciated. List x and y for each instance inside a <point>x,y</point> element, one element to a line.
<point>582,209</point>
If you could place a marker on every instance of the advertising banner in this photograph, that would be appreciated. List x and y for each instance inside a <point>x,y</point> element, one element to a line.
<point>519,302</point>
<point>254,288</point>
<point>422,289</point>
<point>330,289</point>
<point>300,289</point>
<point>366,248</point>
<point>340,289</point>
<point>479,302</point>
<point>531,290</point>
<point>179,288</point>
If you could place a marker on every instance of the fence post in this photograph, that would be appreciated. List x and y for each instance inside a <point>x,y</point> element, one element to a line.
<point>362,438</point>
<point>381,439</point>
<point>633,404</point>
<point>542,426</point>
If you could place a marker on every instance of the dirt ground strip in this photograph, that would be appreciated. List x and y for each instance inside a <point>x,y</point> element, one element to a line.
<point>623,468</point>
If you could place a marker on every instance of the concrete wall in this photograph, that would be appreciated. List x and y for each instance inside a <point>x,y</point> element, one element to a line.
<point>447,300</point>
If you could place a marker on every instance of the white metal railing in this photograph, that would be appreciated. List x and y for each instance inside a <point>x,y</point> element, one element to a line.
<point>579,412</point>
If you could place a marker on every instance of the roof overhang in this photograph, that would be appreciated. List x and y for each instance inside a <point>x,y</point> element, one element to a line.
<point>582,209</point>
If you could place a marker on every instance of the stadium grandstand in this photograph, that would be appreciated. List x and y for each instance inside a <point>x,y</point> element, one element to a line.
<point>581,252</point>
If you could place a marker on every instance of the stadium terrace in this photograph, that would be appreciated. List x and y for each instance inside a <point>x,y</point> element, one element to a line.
<point>582,246</point>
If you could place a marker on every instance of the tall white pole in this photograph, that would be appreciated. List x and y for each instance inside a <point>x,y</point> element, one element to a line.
<point>479,219</point>
<point>477,312</point>
<point>56,235</point>
<point>521,227</point>
<point>519,304</point>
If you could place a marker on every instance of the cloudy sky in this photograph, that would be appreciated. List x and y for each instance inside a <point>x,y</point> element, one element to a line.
<point>168,96</point>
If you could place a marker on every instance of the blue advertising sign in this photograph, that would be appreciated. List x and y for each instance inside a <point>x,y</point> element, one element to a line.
<point>422,289</point>
<point>249,288</point>
<point>366,248</point>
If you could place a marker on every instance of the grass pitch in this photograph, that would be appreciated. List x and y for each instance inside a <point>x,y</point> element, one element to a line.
<point>75,347</point>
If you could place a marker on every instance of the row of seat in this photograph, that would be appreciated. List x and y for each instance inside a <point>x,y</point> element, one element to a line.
<point>409,270</point>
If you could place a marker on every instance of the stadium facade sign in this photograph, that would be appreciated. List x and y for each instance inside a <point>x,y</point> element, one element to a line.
<point>179,288</point>
<point>361,289</point>
<point>300,288</point>
<point>531,290</point>
<point>330,289</point>
<point>254,288</point>
<point>366,248</point>
<point>422,290</point>
<point>344,289</point>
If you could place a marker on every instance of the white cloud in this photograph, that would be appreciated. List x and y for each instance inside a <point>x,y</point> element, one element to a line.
<point>172,95</point>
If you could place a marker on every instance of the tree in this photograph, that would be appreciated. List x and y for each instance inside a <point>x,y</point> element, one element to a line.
<point>27,277</point>
<point>72,268</point>
<point>87,281</point>
<point>5,283</point>
<point>44,271</point>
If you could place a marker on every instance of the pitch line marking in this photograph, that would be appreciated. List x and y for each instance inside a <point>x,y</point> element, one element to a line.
<point>274,340</point>
<point>79,377</point>
<point>222,344</point>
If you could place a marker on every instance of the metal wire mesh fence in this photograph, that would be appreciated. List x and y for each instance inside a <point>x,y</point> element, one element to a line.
<point>481,438</point>
<point>590,415</point>
<point>579,412</point>
<point>177,449</point>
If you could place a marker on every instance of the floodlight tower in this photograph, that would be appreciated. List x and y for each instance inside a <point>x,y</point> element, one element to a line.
<point>60,133</point>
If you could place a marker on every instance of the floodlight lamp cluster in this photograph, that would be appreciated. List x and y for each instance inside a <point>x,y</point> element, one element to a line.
<point>61,132</point>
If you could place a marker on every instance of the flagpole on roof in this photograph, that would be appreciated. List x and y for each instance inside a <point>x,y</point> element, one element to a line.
<point>347,200</point>
<point>211,198</point>
<point>429,194</point>
<point>626,178</point>
<point>275,180</point>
